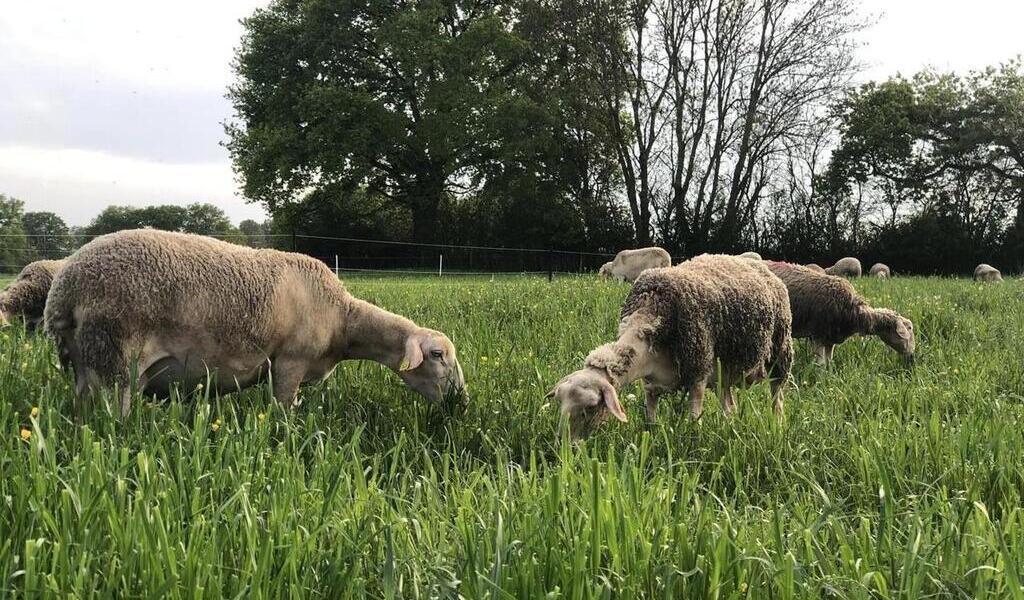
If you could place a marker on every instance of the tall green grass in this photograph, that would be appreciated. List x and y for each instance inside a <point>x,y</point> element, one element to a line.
<point>879,482</point>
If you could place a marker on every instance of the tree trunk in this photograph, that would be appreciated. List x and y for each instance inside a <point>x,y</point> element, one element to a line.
<point>423,197</point>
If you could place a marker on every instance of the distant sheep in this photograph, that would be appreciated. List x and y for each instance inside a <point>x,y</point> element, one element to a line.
<point>828,310</point>
<point>679,323</point>
<point>985,272</point>
<point>176,308</point>
<point>816,268</point>
<point>881,271</point>
<point>845,267</point>
<point>753,255</point>
<point>628,264</point>
<point>26,295</point>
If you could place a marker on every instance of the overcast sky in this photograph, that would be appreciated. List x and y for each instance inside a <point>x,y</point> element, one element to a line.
<point>122,101</point>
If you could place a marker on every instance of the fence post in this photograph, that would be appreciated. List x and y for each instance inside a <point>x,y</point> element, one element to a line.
<point>551,259</point>
<point>440,264</point>
<point>336,265</point>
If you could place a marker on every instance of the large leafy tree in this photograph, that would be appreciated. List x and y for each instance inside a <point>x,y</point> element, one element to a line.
<point>199,218</point>
<point>48,234</point>
<point>14,250</point>
<point>390,97</point>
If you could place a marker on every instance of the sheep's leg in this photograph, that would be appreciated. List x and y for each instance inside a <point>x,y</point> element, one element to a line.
<point>98,362</point>
<point>650,404</point>
<point>697,399</point>
<point>820,353</point>
<point>829,349</point>
<point>287,376</point>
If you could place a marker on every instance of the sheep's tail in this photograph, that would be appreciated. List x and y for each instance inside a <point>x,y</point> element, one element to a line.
<point>59,322</point>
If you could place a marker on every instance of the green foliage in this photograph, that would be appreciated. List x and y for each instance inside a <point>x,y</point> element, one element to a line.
<point>48,235</point>
<point>194,218</point>
<point>14,249</point>
<point>878,482</point>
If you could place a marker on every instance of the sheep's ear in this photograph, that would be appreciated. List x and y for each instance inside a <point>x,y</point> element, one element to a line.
<point>611,401</point>
<point>413,354</point>
<point>903,330</point>
<point>551,394</point>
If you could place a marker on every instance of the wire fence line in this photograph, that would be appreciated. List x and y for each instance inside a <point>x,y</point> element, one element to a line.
<point>362,255</point>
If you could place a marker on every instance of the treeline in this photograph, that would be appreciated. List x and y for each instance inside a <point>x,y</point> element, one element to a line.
<point>31,236</point>
<point>700,125</point>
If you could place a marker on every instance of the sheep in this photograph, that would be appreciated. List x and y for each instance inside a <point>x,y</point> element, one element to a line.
<point>845,267</point>
<point>880,270</point>
<point>827,310</point>
<point>816,268</point>
<point>628,264</point>
<point>985,272</point>
<point>752,255</point>
<point>175,308</point>
<point>676,325</point>
<point>26,295</point>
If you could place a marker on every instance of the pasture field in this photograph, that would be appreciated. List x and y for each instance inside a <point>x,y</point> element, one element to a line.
<point>879,482</point>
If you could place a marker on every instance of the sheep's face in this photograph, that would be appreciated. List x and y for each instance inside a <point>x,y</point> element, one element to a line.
<point>587,398</point>
<point>898,334</point>
<point>430,366</point>
<point>606,270</point>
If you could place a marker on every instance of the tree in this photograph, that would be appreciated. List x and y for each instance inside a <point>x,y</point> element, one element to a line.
<point>14,249</point>
<point>205,219</point>
<point>48,235</point>
<point>389,96</point>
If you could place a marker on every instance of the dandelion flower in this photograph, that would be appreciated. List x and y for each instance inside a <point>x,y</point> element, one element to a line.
<point>26,434</point>
<point>35,411</point>
<point>262,417</point>
<point>631,397</point>
<point>215,426</point>
<point>199,387</point>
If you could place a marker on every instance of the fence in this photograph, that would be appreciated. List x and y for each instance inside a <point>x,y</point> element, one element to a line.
<point>355,255</point>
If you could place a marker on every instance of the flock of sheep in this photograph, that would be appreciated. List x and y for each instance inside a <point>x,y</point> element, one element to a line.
<point>153,310</point>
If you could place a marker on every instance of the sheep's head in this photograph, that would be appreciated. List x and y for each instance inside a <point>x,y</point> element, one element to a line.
<point>587,398</point>
<point>897,332</point>
<point>606,270</point>
<point>431,367</point>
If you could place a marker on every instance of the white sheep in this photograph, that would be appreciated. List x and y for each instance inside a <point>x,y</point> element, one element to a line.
<point>880,270</point>
<point>845,267</point>
<point>986,272</point>
<point>628,264</point>
<point>173,308</point>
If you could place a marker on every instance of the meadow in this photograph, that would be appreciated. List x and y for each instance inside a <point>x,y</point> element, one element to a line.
<point>879,482</point>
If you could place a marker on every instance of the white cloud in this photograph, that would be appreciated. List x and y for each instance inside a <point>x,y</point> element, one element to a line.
<point>78,184</point>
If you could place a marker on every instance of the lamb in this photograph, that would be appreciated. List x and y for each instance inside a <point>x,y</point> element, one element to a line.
<point>986,272</point>
<point>628,264</point>
<point>753,255</point>
<point>677,324</point>
<point>845,267</point>
<point>828,310</point>
<point>174,308</point>
<point>26,295</point>
<point>880,270</point>
<point>816,268</point>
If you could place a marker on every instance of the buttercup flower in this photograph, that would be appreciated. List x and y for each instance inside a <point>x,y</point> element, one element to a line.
<point>26,434</point>
<point>35,411</point>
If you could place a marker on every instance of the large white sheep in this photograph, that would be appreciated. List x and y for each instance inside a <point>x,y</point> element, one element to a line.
<point>845,267</point>
<point>628,264</point>
<point>880,271</point>
<point>985,272</point>
<point>26,295</point>
<point>751,255</point>
<point>679,323</point>
<point>173,308</point>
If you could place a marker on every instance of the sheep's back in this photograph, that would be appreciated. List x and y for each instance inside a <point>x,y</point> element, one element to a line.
<point>824,307</point>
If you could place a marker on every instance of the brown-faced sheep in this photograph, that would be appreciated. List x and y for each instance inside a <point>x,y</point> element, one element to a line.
<point>175,308</point>
<point>816,268</point>
<point>628,264</point>
<point>985,272</point>
<point>880,270</point>
<point>751,255</point>
<point>827,310</point>
<point>26,295</point>
<point>677,324</point>
<point>845,267</point>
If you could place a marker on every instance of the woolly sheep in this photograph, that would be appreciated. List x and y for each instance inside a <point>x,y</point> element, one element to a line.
<point>628,264</point>
<point>174,307</point>
<point>880,271</point>
<point>828,310</point>
<point>679,323</point>
<point>845,267</point>
<point>816,268</point>
<point>753,255</point>
<point>26,295</point>
<point>985,272</point>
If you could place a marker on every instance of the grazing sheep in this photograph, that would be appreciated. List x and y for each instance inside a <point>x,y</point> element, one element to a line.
<point>753,255</point>
<point>26,295</point>
<point>880,271</point>
<point>677,325</point>
<point>828,311</point>
<point>628,264</point>
<point>845,267</point>
<point>176,307</point>
<point>985,272</point>
<point>816,268</point>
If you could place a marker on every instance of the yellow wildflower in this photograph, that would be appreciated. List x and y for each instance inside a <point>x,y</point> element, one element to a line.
<point>262,417</point>
<point>35,411</point>
<point>215,426</point>
<point>26,434</point>
<point>199,387</point>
